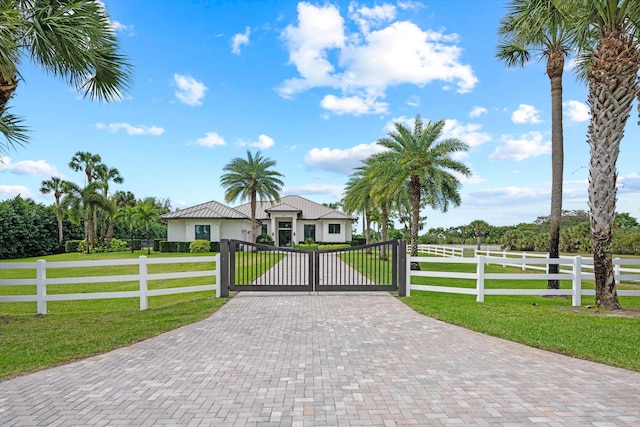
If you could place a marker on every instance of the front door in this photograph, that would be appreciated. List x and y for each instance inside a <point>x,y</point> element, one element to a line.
<point>284,238</point>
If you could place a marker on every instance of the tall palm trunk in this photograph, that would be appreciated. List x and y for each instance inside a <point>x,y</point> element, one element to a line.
<point>555,65</point>
<point>415,218</point>
<point>252,237</point>
<point>384,213</point>
<point>612,77</point>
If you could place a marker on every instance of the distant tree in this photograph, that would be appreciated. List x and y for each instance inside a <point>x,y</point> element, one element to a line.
<point>624,220</point>
<point>423,163</point>
<point>129,215</point>
<point>146,213</point>
<point>105,174</point>
<point>357,198</point>
<point>250,179</point>
<point>81,202</point>
<point>479,227</point>
<point>124,198</point>
<point>73,40</point>
<point>55,185</point>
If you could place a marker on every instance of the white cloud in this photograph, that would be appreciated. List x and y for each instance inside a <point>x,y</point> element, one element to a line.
<point>469,133</point>
<point>526,114</point>
<point>407,121</point>
<point>367,17</point>
<point>30,168</point>
<point>576,110</point>
<point>629,183</point>
<point>130,129</point>
<point>353,105</point>
<point>477,111</point>
<point>190,91</point>
<point>528,145</point>
<point>239,40</point>
<point>364,64</point>
<point>210,139</point>
<point>509,196</point>
<point>11,191</point>
<point>124,28</point>
<point>338,160</point>
<point>414,101</point>
<point>262,143</point>
<point>334,191</point>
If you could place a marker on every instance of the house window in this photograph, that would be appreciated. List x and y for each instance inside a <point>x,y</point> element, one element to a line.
<point>334,228</point>
<point>264,229</point>
<point>310,231</point>
<point>203,232</point>
<point>283,224</point>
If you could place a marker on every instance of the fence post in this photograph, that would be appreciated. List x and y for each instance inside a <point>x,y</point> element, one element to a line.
<point>524,258</point>
<point>41,286</point>
<point>480,279</point>
<point>577,282</point>
<point>223,269</point>
<point>616,270</point>
<point>144,303</point>
<point>504,255</point>
<point>403,286</point>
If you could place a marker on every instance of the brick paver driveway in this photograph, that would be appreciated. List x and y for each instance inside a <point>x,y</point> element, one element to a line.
<point>328,359</point>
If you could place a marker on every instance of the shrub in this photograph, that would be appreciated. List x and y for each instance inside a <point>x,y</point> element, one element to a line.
<point>137,244</point>
<point>71,245</point>
<point>264,239</point>
<point>117,245</point>
<point>156,244</point>
<point>214,246</point>
<point>199,246</point>
<point>168,246</point>
<point>309,241</point>
<point>334,246</point>
<point>307,247</point>
<point>184,247</point>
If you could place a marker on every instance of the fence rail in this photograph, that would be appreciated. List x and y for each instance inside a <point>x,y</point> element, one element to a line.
<point>575,275</point>
<point>447,251</point>
<point>142,277</point>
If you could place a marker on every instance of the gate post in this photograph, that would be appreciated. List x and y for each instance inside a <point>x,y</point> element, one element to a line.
<point>224,269</point>
<point>401,260</point>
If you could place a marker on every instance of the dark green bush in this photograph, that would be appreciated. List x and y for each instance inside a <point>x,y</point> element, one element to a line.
<point>214,246</point>
<point>156,244</point>
<point>168,246</point>
<point>71,245</point>
<point>137,244</point>
<point>183,247</point>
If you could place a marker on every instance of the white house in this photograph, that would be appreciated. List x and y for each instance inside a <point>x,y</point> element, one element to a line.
<point>288,221</point>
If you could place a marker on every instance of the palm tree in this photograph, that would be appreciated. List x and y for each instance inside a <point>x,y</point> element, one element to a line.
<point>104,174</point>
<point>87,162</point>
<point>81,202</point>
<point>357,198</point>
<point>415,158</point>
<point>146,213</point>
<point>249,179</point>
<point>542,27</point>
<point>479,226</point>
<point>55,185</point>
<point>73,40</point>
<point>609,37</point>
<point>124,198</point>
<point>128,214</point>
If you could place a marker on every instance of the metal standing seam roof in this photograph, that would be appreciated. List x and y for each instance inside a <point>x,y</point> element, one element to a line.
<point>310,210</point>
<point>208,210</point>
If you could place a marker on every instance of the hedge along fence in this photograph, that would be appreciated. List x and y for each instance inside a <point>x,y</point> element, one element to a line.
<point>185,247</point>
<point>575,275</point>
<point>143,277</point>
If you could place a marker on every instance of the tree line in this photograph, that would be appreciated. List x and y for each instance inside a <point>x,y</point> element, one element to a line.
<point>88,212</point>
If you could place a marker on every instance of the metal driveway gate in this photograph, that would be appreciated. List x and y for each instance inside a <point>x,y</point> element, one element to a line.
<point>250,266</point>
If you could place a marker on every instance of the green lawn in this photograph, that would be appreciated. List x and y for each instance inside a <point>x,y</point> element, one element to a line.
<point>78,329</point>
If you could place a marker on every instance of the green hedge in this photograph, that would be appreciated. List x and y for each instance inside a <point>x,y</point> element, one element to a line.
<point>71,245</point>
<point>214,246</point>
<point>156,244</point>
<point>307,247</point>
<point>168,246</point>
<point>199,246</point>
<point>136,244</point>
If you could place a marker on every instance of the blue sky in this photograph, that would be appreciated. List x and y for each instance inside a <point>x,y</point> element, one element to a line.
<point>313,86</point>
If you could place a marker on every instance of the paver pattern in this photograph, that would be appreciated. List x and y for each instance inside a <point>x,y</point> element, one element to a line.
<point>323,360</point>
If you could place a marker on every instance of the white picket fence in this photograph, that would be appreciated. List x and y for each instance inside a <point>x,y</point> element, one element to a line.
<point>445,251</point>
<point>532,263</point>
<point>142,277</point>
<point>575,274</point>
